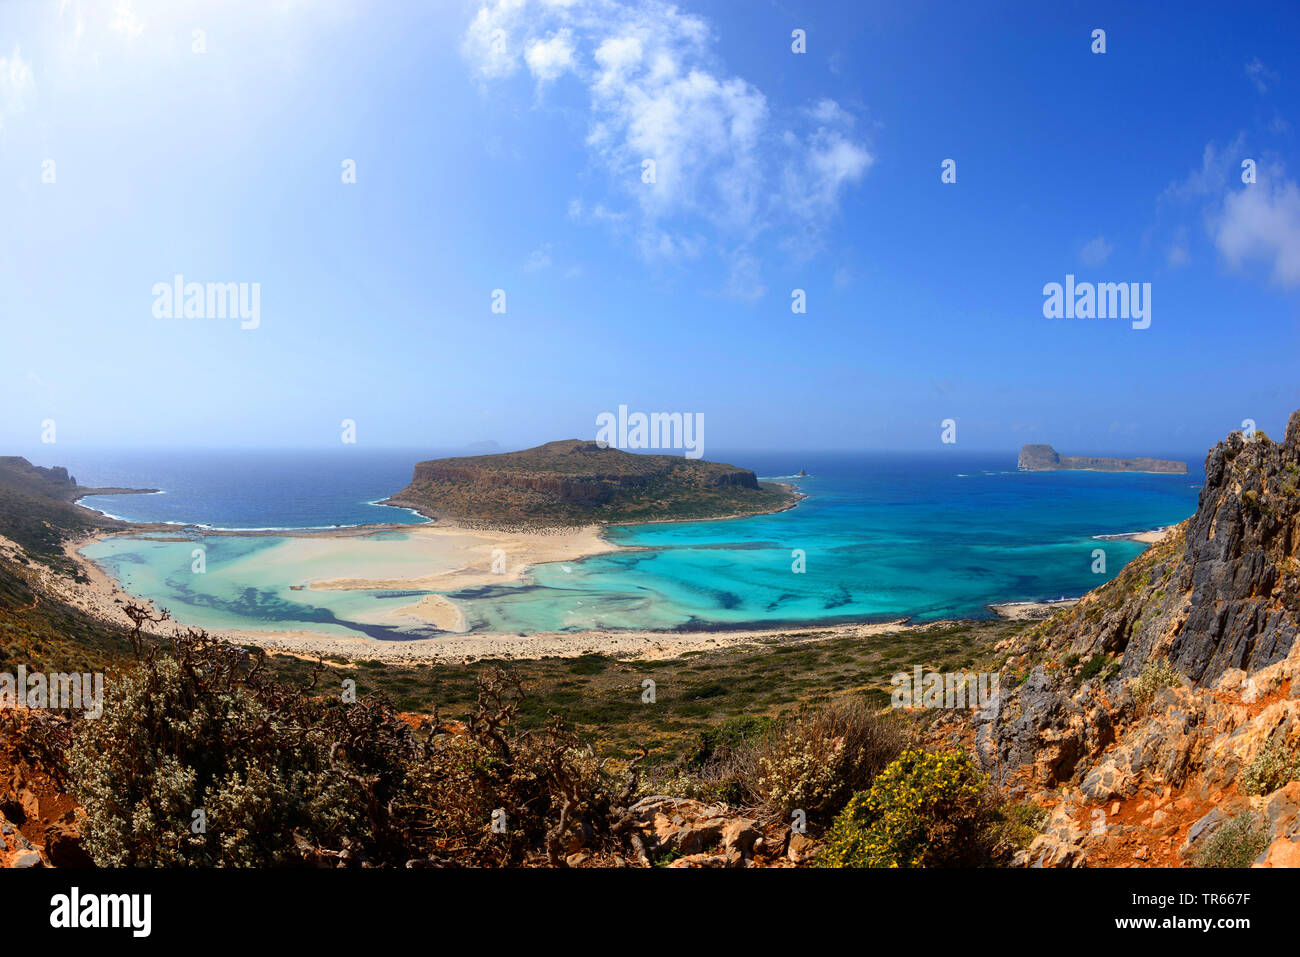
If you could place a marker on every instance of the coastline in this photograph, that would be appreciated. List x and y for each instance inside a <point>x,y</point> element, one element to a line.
<point>1031,610</point>
<point>103,597</point>
<point>1185,471</point>
<point>1149,537</point>
<point>627,645</point>
<point>458,557</point>
<point>792,490</point>
<point>455,557</point>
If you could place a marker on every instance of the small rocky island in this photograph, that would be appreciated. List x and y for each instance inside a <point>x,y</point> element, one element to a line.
<point>1044,458</point>
<point>576,482</point>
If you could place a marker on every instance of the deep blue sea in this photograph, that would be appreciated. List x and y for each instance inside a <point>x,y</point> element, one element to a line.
<point>248,490</point>
<point>880,536</point>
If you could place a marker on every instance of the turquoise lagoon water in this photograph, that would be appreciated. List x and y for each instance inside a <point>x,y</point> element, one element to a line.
<point>882,537</point>
<point>246,586</point>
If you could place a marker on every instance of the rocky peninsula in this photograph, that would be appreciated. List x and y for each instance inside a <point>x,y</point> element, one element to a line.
<point>574,482</point>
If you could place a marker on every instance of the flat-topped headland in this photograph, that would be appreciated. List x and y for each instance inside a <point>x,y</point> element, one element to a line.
<point>574,482</point>
<point>1044,458</point>
<point>54,483</point>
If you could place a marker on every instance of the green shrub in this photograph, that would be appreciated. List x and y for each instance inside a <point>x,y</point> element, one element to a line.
<point>286,775</point>
<point>1016,825</point>
<point>816,760</point>
<point>1155,675</point>
<point>184,737</point>
<point>926,809</point>
<point>1236,844</point>
<point>716,768</point>
<point>730,735</point>
<point>1093,666</point>
<point>719,781</point>
<point>1274,767</point>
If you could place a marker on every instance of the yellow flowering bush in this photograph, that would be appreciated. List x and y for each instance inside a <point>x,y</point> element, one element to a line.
<point>926,809</point>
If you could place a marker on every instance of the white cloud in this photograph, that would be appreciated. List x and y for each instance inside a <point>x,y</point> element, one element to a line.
<point>660,244</point>
<point>618,57</point>
<point>125,21</point>
<point>831,162</point>
<point>1216,166</point>
<point>1179,254</point>
<point>16,84</point>
<point>1261,75</point>
<point>551,58</point>
<point>744,277</point>
<point>1247,222</point>
<point>1095,251</point>
<point>539,259</point>
<point>487,43</point>
<point>829,113</point>
<point>1262,222</point>
<point>656,93</point>
<point>652,100</point>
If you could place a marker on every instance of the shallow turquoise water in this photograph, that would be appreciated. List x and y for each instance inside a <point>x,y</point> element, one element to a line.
<point>245,586</point>
<point>882,537</point>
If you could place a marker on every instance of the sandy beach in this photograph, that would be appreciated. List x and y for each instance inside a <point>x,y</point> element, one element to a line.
<point>433,557</point>
<point>455,557</point>
<point>1146,538</point>
<point>441,557</point>
<point>1031,610</point>
<point>644,645</point>
<point>103,598</point>
<point>464,557</point>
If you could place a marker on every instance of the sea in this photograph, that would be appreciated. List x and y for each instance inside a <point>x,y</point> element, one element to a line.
<point>880,536</point>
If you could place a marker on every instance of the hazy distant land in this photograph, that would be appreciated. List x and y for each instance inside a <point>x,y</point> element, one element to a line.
<point>1040,458</point>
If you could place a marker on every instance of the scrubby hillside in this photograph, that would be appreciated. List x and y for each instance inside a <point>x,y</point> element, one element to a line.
<point>1159,711</point>
<point>1156,722</point>
<point>38,629</point>
<point>37,510</point>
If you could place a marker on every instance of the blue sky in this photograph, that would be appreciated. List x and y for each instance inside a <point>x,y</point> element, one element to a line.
<point>499,145</point>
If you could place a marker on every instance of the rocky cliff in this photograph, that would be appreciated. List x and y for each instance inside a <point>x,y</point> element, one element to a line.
<point>573,482</point>
<point>1038,458</point>
<point>1136,714</point>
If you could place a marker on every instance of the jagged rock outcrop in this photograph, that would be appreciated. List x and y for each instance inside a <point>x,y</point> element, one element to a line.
<point>1162,677</point>
<point>1241,561</point>
<point>696,834</point>
<point>1040,458</point>
<point>1172,776</point>
<point>40,826</point>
